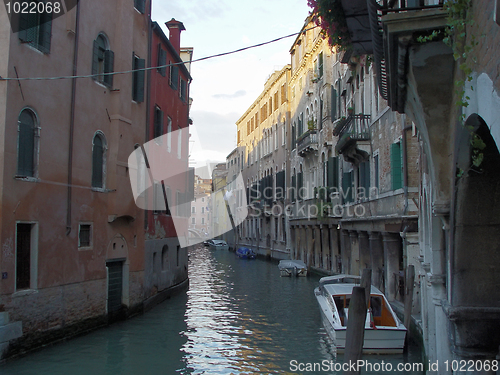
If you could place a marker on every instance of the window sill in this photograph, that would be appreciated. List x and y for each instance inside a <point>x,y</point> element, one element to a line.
<point>100,190</point>
<point>27,179</point>
<point>85,248</point>
<point>24,292</point>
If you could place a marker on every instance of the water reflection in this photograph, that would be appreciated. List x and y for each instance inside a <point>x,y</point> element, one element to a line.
<point>238,317</point>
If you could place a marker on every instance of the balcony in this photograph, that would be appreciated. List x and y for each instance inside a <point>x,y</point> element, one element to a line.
<point>354,129</point>
<point>393,24</point>
<point>307,142</point>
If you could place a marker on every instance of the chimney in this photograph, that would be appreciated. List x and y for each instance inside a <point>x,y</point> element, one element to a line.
<point>175,28</point>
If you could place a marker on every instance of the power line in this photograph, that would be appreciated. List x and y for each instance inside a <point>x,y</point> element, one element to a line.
<point>154,67</point>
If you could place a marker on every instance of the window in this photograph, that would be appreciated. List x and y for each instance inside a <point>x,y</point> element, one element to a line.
<point>35,29</point>
<point>138,66</point>
<point>193,210</point>
<point>283,94</point>
<point>27,146</point>
<point>158,123</point>
<point>179,143</point>
<point>173,78</point>
<point>140,5</point>
<point>320,65</point>
<point>98,161</point>
<point>376,170</point>
<point>203,220</point>
<point>102,61</point>
<point>396,166</point>
<point>162,61</point>
<point>85,235</point>
<point>193,220</point>
<point>169,134</point>
<point>183,91</point>
<point>203,210</point>
<point>364,179</point>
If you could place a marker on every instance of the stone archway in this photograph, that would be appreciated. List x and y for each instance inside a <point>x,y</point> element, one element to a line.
<point>474,306</point>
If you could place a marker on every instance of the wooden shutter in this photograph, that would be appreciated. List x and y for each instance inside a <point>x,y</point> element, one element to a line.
<point>294,186</point>
<point>320,64</point>
<point>162,60</point>
<point>109,61</point>
<point>300,183</point>
<point>396,174</point>
<point>294,137</point>
<point>333,113</point>
<point>23,26</point>
<point>140,5</point>
<point>347,187</point>
<point>95,59</point>
<point>45,32</point>
<point>138,81</point>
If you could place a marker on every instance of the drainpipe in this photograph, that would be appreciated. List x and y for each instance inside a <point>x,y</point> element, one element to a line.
<point>405,162</point>
<point>72,122</point>
<point>148,94</point>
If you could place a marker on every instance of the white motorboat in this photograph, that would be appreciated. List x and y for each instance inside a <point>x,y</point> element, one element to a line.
<point>292,268</point>
<point>384,332</point>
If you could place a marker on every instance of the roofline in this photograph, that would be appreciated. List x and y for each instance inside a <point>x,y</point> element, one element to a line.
<point>158,30</point>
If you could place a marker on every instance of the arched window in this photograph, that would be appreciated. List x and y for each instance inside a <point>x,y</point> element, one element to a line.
<point>27,143</point>
<point>98,160</point>
<point>102,61</point>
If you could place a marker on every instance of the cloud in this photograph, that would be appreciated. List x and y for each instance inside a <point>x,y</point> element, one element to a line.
<point>237,94</point>
<point>212,131</point>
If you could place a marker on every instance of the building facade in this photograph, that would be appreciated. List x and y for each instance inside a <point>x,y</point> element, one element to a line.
<point>168,127</point>
<point>72,237</point>
<point>262,144</point>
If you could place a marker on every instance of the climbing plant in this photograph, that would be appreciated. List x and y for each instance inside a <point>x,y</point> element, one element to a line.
<point>459,18</point>
<point>331,18</point>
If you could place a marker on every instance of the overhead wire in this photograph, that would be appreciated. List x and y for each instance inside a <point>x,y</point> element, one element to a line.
<point>156,67</point>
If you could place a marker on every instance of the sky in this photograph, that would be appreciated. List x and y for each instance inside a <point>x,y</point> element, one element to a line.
<point>223,88</point>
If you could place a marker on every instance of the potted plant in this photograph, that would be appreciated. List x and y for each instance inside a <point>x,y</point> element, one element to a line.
<point>350,111</point>
<point>311,124</point>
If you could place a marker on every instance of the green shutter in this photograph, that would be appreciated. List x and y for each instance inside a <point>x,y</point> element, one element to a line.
<point>333,113</point>
<point>138,80</point>
<point>162,60</point>
<point>140,5</point>
<point>320,59</point>
<point>23,26</point>
<point>294,186</point>
<point>396,174</point>
<point>109,60</point>
<point>332,172</point>
<point>95,59</point>
<point>300,184</point>
<point>347,192</point>
<point>45,32</point>
<point>294,137</point>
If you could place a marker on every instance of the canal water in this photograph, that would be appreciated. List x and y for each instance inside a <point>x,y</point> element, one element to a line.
<point>238,317</point>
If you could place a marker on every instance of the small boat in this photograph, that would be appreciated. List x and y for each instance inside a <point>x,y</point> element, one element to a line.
<point>246,253</point>
<point>218,245</point>
<point>384,332</point>
<point>292,268</point>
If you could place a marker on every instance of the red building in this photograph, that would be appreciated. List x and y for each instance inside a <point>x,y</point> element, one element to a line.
<point>171,193</point>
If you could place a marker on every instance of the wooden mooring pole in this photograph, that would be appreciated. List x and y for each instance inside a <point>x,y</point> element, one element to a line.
<point>355,333</point>
<point>409,282</point>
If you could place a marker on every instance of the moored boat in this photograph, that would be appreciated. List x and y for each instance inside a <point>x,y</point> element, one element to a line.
<point>384,332</point>
<point>245,253</point>
<point>292,268</point>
